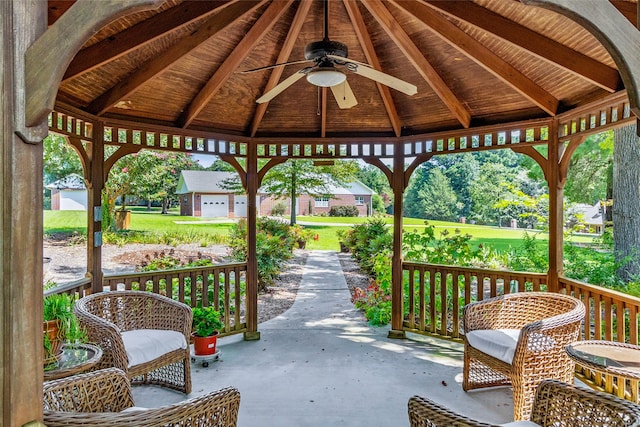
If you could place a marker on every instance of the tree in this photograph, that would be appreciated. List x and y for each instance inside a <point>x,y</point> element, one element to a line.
<point>431,196</point>
<point>487,189</point>
<point>589,166</point>
<point>296,177</point>
<point>626,202</point>
<point>375,179</point>
<point>60,159</point>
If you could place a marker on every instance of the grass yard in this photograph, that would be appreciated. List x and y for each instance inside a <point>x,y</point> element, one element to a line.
<point>150,226</point>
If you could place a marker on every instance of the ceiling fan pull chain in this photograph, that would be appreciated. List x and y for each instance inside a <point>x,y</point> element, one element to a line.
<point>319,100</point>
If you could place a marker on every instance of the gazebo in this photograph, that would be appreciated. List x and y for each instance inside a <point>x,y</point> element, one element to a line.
<point>423,78</point>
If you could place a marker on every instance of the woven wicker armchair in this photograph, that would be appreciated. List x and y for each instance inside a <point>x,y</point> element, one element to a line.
<point>153,328</point>
<point>96,399</point>
<point>519,340</point>
<point>556,404</point>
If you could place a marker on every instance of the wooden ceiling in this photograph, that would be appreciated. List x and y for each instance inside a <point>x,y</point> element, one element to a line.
<point>474,63</point>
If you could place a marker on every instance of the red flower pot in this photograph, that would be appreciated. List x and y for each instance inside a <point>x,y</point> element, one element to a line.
<point>203,346</point>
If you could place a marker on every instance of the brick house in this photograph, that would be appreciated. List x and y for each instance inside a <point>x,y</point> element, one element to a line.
<point>201,194</point>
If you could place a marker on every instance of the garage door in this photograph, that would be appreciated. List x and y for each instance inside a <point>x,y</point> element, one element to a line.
<point>240,206</point>
<point>215,206</point>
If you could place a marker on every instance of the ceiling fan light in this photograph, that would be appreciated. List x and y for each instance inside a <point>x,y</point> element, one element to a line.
<point>326,78</point>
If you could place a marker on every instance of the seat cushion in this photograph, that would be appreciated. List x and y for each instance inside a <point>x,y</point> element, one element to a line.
<point>520,424</point>
<point>498,343</point>
<point>144,345</point>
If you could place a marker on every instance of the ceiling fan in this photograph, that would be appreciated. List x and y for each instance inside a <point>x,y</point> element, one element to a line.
<point>328,61</point>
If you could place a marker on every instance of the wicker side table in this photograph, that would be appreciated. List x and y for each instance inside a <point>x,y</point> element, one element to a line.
<point>607,357</point>
<point>74,360</point>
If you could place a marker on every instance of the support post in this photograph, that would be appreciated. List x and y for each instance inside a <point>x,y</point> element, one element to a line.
<point>21,168</point>
<point>252,259</point>
<point>397,185</point>
<point>556,215</point>
<point>95,214</point>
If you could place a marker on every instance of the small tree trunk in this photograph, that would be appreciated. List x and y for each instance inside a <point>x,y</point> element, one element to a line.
<point>293,195</point>
<point>626,201</point>
<point>165,206</point>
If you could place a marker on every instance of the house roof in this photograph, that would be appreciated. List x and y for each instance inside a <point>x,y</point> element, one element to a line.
<point>203,182</point>
<point>69,182</point>
<point>194,181</point>
<point>592,215</point>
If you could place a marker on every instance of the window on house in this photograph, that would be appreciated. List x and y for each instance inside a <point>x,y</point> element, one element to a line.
<point>322,202</point>
<point>359,200</point>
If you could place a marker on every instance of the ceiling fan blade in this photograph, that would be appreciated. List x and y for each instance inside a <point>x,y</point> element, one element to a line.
<point>268,67</point>
<point>378,76</point>
<point>344,95</point>
<point>283,85</point>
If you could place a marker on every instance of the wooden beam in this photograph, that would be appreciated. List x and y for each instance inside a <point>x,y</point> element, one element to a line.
<point>628,9</point>
<point>57,8</point>
<point>417,60</point>
<point>159,63</point>
<point>283,56</point>
<point>537,44</point>
<point>140,35</point>
<point>372,58</point>
<point>57,46</point>
<point>266,21</point>
<point>478,53</point>
<point>613,30</point>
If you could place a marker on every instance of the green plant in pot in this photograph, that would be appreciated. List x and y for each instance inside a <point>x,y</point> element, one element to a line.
<point>207,323</point>
<point>60,326</point>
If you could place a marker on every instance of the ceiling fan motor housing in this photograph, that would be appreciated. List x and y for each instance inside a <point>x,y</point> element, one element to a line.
<point>320,49</point>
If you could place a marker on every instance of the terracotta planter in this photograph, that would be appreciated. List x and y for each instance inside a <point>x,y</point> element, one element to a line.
<point>203,346</point>
<point>51,329</point>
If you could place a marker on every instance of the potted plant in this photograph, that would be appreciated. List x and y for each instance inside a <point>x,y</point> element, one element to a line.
<point>60,326</point>
<point>206,326</point>
<point>343,236</point>
<point>301,235</point>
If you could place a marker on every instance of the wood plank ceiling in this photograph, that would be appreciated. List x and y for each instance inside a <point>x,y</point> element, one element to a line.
<point>473,62</point>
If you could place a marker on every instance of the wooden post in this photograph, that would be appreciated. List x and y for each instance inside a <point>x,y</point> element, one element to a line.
<point>556,215</point>
<point>252,260</point>
<point>396,263</point>
<point>95,214</point>
<point>21,229</point>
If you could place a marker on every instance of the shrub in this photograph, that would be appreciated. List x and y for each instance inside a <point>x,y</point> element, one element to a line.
<point>344,211</point>
<point>278,209</point>
<point>272,250</point>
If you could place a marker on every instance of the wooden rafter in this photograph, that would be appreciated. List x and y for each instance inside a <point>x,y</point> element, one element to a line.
<point>56,8</point>
<point>161,62</point>
<point>372,58</point>
<point>283,56</point>
<point>139,35</point>
<point>543,47</point>
<point>628,9</point>
<point>413,54</point>
<point>477,52</point>
<point>266,21</point>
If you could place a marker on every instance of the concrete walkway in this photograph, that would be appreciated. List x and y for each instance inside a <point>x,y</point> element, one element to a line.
<point>321,364</point>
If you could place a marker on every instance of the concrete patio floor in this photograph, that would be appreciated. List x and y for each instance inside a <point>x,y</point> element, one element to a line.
<point>321,364</point>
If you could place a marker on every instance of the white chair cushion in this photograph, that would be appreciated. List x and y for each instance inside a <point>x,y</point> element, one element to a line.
<point>499,343</point>
<point>144,345</point>
<point>520,424</point>
<point>134,409</point>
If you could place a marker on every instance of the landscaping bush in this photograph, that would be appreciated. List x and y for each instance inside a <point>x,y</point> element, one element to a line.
<point>344,211</point>
<point>272,250</point>
<point>278,209</point>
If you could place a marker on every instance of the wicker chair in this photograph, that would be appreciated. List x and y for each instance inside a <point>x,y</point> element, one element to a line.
<point>144,334</point>
<point>519,340</point>
<point>556,404</point>
<point>96,399</point>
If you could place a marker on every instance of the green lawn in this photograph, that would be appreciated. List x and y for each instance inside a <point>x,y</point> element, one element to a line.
<point>145,222</point>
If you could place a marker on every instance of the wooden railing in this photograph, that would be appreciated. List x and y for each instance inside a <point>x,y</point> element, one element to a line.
<point>435,295</point>
<point>221,286</point>
<point>610,316</point>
